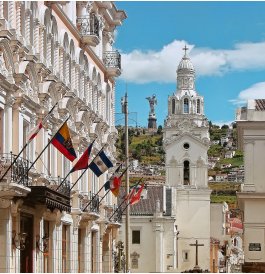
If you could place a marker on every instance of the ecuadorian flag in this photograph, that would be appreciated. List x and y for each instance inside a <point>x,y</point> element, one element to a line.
<point>62,141</point>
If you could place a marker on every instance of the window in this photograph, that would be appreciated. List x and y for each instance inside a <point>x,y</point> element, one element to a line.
<point>186,146</point>
<point>173,106</point>
<point>65,235</point>
<point>186,105</point>
<point>186,171</point>
<point>185,255</point>
<point>46,255</point>
<point>136,236</point>
<point>198,106</point>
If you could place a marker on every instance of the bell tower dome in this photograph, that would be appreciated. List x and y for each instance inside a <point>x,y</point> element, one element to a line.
<point>185,73</point>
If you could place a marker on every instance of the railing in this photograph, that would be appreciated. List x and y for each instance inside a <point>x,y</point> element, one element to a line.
<point>88,25</point>
<point>89,202</point>
<point>18,173</point>
<point>117,217</point>
<point>64,189</point>
<point>112,59</point>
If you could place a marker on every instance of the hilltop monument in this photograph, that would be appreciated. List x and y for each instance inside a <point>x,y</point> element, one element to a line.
<point>152,116</point>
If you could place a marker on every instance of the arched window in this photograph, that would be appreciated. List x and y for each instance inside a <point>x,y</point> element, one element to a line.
<point>198,106</point>
<point>186,105</point>
<point>186,172</point>
<point>173,106</point>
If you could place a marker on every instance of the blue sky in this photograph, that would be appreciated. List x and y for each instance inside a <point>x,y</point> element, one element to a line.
<point>226,42</point>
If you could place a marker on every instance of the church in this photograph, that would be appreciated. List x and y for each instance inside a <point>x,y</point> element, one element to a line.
<point>170,226</point>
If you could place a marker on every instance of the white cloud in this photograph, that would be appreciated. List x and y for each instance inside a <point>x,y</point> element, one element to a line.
<point>220,123</point>
<point>256,91</point>
<point>160,66</point>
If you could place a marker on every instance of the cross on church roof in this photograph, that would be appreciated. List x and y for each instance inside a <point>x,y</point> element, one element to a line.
<point>185,48</point>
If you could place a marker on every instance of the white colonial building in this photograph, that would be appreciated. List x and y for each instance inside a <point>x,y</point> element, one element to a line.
<point>49,52</point>
<point>172,217</point>
<point>251,139</point>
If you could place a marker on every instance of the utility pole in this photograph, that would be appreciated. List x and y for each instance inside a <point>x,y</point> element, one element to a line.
<point>127,224</point>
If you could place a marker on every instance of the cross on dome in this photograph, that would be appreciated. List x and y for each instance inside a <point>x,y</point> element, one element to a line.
<point>185,48</point>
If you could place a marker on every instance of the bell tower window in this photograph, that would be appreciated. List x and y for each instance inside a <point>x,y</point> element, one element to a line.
<point>186,172</point>
<point>198,106</point>
<point>173,106</point>
<point>186,105</point>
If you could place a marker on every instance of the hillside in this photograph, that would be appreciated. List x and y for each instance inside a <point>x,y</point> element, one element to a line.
<point>148,150</point>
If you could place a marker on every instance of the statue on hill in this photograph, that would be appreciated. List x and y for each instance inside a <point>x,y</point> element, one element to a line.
<point>152,116</point>
<point>152,102</point>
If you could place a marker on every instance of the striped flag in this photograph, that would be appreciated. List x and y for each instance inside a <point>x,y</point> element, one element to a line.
<point>100,164</point>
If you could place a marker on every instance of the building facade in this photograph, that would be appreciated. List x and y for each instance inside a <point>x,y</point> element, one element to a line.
<point>186,142</point>
<point>56,52</point>
<point>251,139</point>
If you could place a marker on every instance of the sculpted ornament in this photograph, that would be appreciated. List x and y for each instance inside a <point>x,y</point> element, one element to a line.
<point>186,125</point>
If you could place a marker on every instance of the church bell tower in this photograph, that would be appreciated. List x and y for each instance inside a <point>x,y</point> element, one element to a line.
<point>186,141</point>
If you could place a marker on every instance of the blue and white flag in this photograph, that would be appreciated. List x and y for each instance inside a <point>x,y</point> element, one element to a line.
<point>100,164</point>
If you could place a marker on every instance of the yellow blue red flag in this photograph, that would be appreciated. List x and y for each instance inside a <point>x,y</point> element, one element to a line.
<point>62,141</point>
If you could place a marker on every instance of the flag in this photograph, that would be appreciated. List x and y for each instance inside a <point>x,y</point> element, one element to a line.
<point>114,183</point>
<point>62,141</point>
<point>82,163</point>
<point>100,164</point>
<point>32,134</point>
<point>135,198</point>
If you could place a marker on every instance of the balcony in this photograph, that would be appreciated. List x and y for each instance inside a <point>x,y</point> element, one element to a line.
<point>112,61</point>
<point>48,195</point>
<point>115,217</point>
<point>89,29</point>
<point>15,182</point>
<point>89,204</point>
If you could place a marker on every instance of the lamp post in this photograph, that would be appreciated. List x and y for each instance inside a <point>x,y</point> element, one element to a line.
<point>124,103</point>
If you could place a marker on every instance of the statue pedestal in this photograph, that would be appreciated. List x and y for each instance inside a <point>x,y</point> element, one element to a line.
<point>152,123</point>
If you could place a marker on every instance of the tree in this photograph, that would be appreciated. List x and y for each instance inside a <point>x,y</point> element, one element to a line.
<point>159,130</point>
<point>224,127</point>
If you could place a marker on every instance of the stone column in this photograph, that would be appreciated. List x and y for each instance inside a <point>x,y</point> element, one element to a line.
<point>1,10</point>
<point>5,236</point>
<point>18,18</point>
<point>56,57</point>
<point>49,41</point>
<point>77,75</point>
<point>61,63</point>
<point>67,60</point>
<point>73,75</point>
<point>8,120</point>
<point>11,14</point>
<point>42,29</point>
<point>17,127</point>
<point>27,26</point>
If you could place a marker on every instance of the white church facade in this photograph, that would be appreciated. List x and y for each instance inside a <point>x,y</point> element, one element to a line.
<point>175,216</point>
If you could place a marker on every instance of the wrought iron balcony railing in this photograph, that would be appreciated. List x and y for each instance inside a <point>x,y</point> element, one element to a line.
<point>90,203</point>
<point>18,173</point>
<point>64,189</point>
<point>88,25</point>
<point>112,59</point>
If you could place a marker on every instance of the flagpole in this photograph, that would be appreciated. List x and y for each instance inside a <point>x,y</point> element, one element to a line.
<point>24,147</point>
<point>127,225</point>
